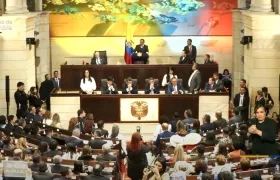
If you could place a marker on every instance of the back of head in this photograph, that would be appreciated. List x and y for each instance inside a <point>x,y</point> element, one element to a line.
<point>218,114</point>
<point>79,112</point>
<point>64,171</point>
<point>90,116</point>
<point>176,115</point>
<point>236,143</point>
<point>206,176</point>
<point>163,119</point>
<point>43,167</point>
<point>10,118</point>
<point>255,176</point>
<point>36,158</point>
<point>76,132</point>
<point>276,176</point>
<point>106,148</point>
<point>97,133</point>
<point>226,131</point>
<point>100,124</point>
<point>57,159</point>
<point>207,118</point>
<point>53,145</point>
<point>200,149</point>
<point>221,159</point>
<point>97,169</point>
<point>18,153</point>
<point>225,175</point>
<point>164,126</point>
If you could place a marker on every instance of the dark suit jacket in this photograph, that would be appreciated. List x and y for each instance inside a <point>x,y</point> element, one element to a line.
<point>208,62</point>
<point>75,141</point>
<point>133,91</point>
<point>19,130</point>
<point>104,132</point>
<point>207,127</point>
<point>235,119</point>
<point>38,118</point>
<point>164,134</point>
<point>143,50</point>
<point>95,177</point>
<point>9,127</point>
<point>52,153</point>
<point>103,60</point>
<point>219,86</point>
<point>45,89</point>
<point>179,87</point>
<point>55,85</point>
<point>106,157</point>
<point>30,116</point>
<point>220,123</point>
<point>260,102</point>
<point>105,90</point>
<point>208,87</point>
<point>244,110</point>
<point>191,54</point>
<point>96,143</point>
<point>173,124</point>
<point>195,82</point>
<point>148,90</point>
<point>34,167</point>
<point>43,176</point>
<point>56,168</point>
<point>183,61</point>
<point>46,139</point>
<point>35,101</point>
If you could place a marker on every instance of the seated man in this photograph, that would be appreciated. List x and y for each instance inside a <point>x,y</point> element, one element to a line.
<point>52,150</point>
<point>207,59</point>
<point>47,136</point>
<point>110,87</point>
<point>164,134</point>
<point>74,139</point>
<point>20,128</point>
<point>97,142</point>
<point>106,156</point>
<point>97,60</point>
<point>66,174</point>
<point>184,59</point>
<point>210,86</point>
<point>141,53</point>
<point>152,87</point>
<point>128,87</point>
<point>175,88</point>
<point>207,125</point>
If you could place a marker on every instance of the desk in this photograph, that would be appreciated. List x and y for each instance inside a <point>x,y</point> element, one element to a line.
<point>71,75</point>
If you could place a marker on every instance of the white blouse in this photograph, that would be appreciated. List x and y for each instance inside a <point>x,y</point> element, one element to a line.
<point>88,86</point>
<point>164,81</point>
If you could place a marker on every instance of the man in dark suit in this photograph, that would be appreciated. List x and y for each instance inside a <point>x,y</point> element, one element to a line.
<point>243,84</point>
<point>21,100</point>
<point>218,82</point>
<point>188,117</point>
<point>210,86</point>
<point>100,126</point>
<point>220,122</point>
<point>97,142</point>
<point>56,80</point>
<point>106,156</point>
<point>97,60</point>
<point>56,168</point>
<point>194,82</point>
<point>191,51</point>
<point>110,87</point>
<point>151,87</point>
<point>66,174</point>
<point>141,53</point>
<point>183,59</point>
<point>11,123</point>
<point>39,116</point>
<point>164,134</point>
<point>173,122</point>
<point>207,59</point>
<point>53,150</point>
<point>47,136</point>
<point>96,173</point>
<point>45,90</point>
<point>129,87</point>
<point>20,128</point>
<point>175,87</point>
<point>31,113</point>
<point>81,119</point>
<point>236,118</point>
<point>241,102</point>
<point>207,125</point>
<point>43,174</point>
<point>74,139</point>
<point>36,158</point>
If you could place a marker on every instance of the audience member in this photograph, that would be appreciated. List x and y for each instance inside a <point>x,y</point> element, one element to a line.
<point>200,149</point>
<point>81,119</point>
<point>115,134</point>
<point>97,142</point>
<point>173,122</point>
<point>276,176</point>
<point>78,167</point>
<point>18,155</point>
<point>43,174</point>
<point>181,130</point>
<point>36,159</point>
<point>236,118</point>
<point>66,174</point>
<point>200,166</point>
<point>53,150</point>
<point>8,143</point>
<point>106,156</point>
<point>89,124</point>
<point>47,135</point>
<point>162,119</point>
<point>34,133</point>
<point>195,128</point>
<point>56,168</point>
<point>188,117</point>
<point>244,165</point>
<point>73,124</point>
<point>43,147</point>
<point>220,122</point>
<point>20,128</point>
<point>11,124</point>
<point>47,118</point>
<point>225,175</point>
<point>210,139</point>
<point>74,139</point>
<point>255,176</point>
<point>22,144</point>
<point>207,125</point>
<point>3,121</point>
<point>86,154</point>
<point>56,121</point>
<point>158,170</point>
<point>206,176</point>
<point>164,134</point>
<point>104,132</point>
<point>236,144</point>
<point>97,173</point>
<point>221,165</point>
<point>71,153</point>
<point>31,113</point>
<point>39,116</point>
<point>137,159</point>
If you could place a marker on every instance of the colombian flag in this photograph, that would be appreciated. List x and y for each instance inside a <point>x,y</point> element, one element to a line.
<point>128,44</point>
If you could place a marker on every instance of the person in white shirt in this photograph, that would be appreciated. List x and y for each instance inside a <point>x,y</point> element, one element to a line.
<point>88,84</point>
<point>167,78</point>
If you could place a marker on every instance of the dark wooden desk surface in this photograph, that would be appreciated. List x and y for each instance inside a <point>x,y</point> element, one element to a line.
<point>71,75</point>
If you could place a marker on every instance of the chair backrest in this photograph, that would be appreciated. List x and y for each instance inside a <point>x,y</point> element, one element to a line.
<point>180,81</point>
<point>147,81</point>
<point>134,81</point>
<point>103,81</point>
<point>102,54</point>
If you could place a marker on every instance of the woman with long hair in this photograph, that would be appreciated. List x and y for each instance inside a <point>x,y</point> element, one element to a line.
<point>73,123</point>
<point>137,159</point>
<point>259,101</point>
<point>78,167</point>
<point>167,77</point>
<point>263,132</point>
<point>115,134</point>
<point>34,99</point>
<point>88,84</point>
<point>86,154</point>
<point>181,129</point>
<point>71,152</point>
<point>47,118</point>
<point>269,103</point>
<point>89,124</point>
<point>56,121</point>
<point>22,144</point>
<point>157,171</point>
<point>195,127</point>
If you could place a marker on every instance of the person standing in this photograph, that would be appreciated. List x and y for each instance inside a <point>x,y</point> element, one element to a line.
<point>56,80</point>
<point>141,53</point>
<point>191,51</point>
<point>241,102</point>
<point>263,132</point>
<point>194,82</point>
<point>34,99</point>
<point>21,100</point>
<point>46,89</point>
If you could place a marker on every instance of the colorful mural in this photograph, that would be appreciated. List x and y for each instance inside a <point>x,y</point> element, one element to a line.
<point>85,18</point>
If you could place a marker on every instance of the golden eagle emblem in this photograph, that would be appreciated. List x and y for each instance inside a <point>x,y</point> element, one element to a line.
<point>139,109</point>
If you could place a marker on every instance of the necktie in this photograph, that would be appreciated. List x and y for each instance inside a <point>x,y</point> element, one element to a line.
<point>98,61</point>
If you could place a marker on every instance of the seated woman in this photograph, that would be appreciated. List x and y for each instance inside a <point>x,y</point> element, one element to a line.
<point>43,147</point>
<point>71,153</point>
<point>8,143</point>
<point>220,149</point>
<point>221,165</point>
<point>259,100</point>
<point>87,84</point>
<point>226,74</point>
<point>195,128</point>
<point>73,124</point>
<point>89,124</point>
<point>22,144</point>
<point>56,121</point>
<point>86,154</point>
<point>200,167</point>
<point>179,137</point>
<point>56,168</point>
<point>157,171</point>
<point>244,165</point>
<point>47,118</point>
<point>167,78</point>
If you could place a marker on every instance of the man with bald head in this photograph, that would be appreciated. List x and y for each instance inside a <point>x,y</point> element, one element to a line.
<point>164,134</point>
